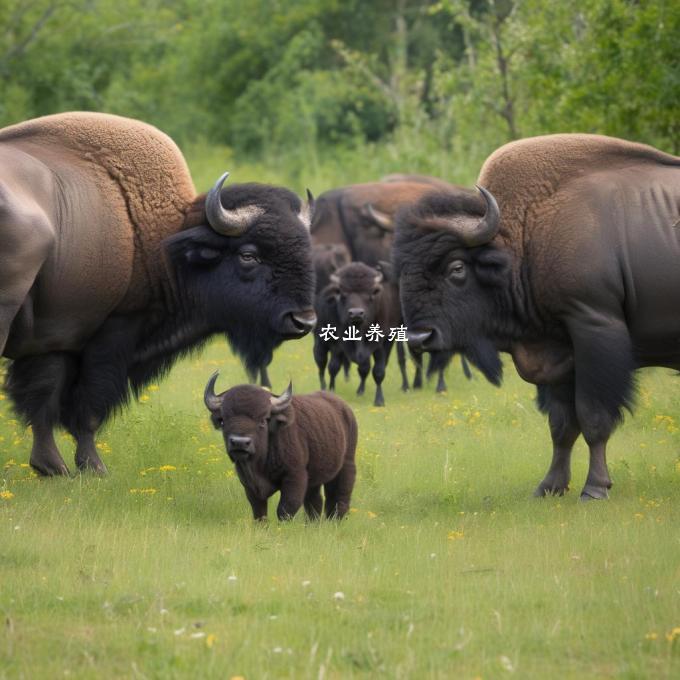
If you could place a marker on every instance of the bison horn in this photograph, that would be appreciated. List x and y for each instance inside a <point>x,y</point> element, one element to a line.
<point>488,227</point>
<point>382,219</point>
<point>280,403</point>
<point>378,278</point>
<point>212,401</point>
<point>228,222</point>
<point>335,279</point>
<point>306,213</point>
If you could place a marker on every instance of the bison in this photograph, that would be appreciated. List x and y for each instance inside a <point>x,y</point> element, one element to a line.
<point>292,444</point>
<point>570,264</point>
<point>362,298</point>
<point>111,268</point>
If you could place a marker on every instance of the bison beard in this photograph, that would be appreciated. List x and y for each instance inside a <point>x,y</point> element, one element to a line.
<point>483,354</point>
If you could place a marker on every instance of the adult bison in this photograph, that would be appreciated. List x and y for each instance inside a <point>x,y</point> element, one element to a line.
<point>111,267</point>
<point>576,276</point>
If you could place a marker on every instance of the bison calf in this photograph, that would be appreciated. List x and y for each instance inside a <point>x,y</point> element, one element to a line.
<point>292,444</point>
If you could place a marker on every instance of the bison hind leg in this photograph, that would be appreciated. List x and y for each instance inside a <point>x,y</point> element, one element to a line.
<point>339,491</point>
<point>37,385</point>
<point>314,503</point>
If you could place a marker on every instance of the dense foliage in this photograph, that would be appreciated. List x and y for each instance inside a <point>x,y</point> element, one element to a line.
<point>301,78</point>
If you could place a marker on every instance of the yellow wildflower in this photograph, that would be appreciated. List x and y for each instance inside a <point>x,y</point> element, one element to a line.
<point>372,515</point>
<point>651,636</point>
<point>144,398</point>
<point>150,491</point>
<point>167,468</point>
<point>6,495</point>
<point>210,640</point>
<point>152,388</point>
<point>455,535</point>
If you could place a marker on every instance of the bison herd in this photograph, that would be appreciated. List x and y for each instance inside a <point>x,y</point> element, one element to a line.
<point>112,267</point>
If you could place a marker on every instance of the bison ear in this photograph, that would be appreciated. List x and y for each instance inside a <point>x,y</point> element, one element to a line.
<point>492,267</point>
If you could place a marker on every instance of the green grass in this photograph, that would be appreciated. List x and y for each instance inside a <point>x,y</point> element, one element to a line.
<point>446,565</point>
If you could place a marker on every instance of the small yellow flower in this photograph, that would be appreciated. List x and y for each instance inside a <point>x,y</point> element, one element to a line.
<point>149,491</point>
<point>2,397</point>
<point>210,640</point>
<point>6,495</point>
<point>651,636</point>
<point>372,515</point>
<point>167,468</point>
<point>674,633</point>
<point>152,388</point>
<point>455,535</point>
<point>144,398</point>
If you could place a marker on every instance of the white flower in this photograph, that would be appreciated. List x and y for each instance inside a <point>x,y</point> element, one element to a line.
<point>339,595</point>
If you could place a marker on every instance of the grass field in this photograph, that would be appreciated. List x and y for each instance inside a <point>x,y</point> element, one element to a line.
<point>445,568</point>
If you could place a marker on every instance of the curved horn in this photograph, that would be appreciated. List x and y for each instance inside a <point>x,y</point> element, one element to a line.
<point>228,222</point>
<point>211,400</point>
<point>281,402</point>
<point>382,219</point>
<point>306,214</point>
<point>488,227</point>
<point>378,278</point>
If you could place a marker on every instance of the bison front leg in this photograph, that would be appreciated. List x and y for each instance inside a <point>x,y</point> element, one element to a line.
<point>379,364</point>
<point>293,491</point>
<point>401,358</point>
<point>339,491</point>
<point>257,505</point>
<point>36,386</point>
<point>558,402</point>
<point>87,458</point>
<point>364,367</point>
<point>321,359</point>
<point>604,365</point>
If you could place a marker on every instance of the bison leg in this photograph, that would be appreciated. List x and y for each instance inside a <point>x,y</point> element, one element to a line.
<point>293,491</point>
<point>321,359</point>
<point>264,377</point>
<point>339,491</point>
<point>417,358</point>
<point>87,457</point>
<point>401,358</point>
<point>558,400</point>
<point>441,383</point>
<point>346,365</point>
<point>379,362</point>
<point>314,503</point>
<point>334,368</point>
<point>364,367</point>
<point>258,506</point>
<point>36,386</point>
<point>604,364</point>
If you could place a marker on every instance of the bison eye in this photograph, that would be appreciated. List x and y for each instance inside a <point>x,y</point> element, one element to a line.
<point>248,258</point>
<point>457,270</point>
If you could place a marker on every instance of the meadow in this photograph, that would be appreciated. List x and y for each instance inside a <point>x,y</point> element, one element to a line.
<point>446,566</point>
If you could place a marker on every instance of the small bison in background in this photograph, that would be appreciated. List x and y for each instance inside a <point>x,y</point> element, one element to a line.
<point>292,444</point>
<point>327,258</point>
<point>362,297</point>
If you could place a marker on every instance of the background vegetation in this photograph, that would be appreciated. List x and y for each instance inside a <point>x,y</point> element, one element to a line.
<point>348,89</point>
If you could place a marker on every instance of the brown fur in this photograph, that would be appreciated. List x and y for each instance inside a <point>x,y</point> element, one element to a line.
<point>310,443</point>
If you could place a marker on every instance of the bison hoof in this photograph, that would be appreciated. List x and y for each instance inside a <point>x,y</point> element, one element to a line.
<point>46,469</point>
<point>593,492</point>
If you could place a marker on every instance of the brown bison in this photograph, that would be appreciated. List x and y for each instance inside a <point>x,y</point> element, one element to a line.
<point>365,299</point>
<point>111,267</point>
<point>291,444</point>
<point>569,263</point>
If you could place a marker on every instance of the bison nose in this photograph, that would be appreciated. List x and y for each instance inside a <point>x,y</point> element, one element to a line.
<point>356,314</point>
<point>423,338</point>
<point>296,324</point>
<point>238,443</point>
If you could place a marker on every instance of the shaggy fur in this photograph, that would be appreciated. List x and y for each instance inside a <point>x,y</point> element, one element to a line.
<point>309,444</point>
<point>579,284</point>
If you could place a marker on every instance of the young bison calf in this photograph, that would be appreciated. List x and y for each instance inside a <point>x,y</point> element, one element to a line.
<point>289,443</point>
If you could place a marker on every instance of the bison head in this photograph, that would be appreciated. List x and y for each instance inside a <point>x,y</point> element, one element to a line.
<point>355,290</point>
<point>246,415</point>
<point>247,271</point>
<point>453,281</point>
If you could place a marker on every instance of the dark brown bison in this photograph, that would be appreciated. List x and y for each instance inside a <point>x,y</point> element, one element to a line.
<point>570,263</point>
<point>292,444</point>
<point>111,267</point>
<point>328,258</point>
<point>362,298</point>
